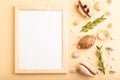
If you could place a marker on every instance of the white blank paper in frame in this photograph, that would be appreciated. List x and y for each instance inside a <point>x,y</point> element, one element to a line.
<point>40,39</point>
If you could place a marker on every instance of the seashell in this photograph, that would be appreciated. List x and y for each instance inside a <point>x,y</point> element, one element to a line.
<point>103,35</point>
<point>107,13</point>
<point>86,42</point>
<point>112,67</point>
<point>76,22</point>
<point>74,43</point>
<point>72,31</point>
<point>85,8</point>
<point>113,58</point>
<point>75,54</point>
<point>89,57</point>
<point>73,70</point>
<point>109,1</point>
<point>109,49</point>
<point>87,69</point>
<point>112,72</point>
<point>79,36</point>
<point>109,25</point>
<point>98,6</point>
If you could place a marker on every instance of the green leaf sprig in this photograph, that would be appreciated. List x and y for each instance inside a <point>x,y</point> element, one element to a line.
<point>100,63</point>
<point>92,24</point>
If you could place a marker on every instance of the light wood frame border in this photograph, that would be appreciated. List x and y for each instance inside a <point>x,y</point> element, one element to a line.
<point>64,40</point>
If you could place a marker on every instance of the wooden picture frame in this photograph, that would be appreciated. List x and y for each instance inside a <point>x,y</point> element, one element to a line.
<point>22,53</point>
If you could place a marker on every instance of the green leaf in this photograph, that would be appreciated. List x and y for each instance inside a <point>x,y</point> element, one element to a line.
<point>99,54</point>
<point>92,24</point>
<point>85,30</point>
<point>97,47</point>
<point>89,25</point>
<point>99,64</point>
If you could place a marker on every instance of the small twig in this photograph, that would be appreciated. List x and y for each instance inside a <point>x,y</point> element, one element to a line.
<point>100,63</point>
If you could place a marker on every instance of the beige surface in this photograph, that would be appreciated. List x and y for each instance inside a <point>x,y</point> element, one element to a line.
<point>6,41</point>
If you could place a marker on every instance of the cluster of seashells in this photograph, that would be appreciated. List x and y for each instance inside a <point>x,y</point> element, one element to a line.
<point>85,7</point>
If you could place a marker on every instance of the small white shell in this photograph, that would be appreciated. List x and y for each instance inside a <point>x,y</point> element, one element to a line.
<point>89,57</point>
<point>112,72</point>
<point>87,69</point>
<point>75,54</point>
<point>109,25</point>
<point>113,58</point>
<point>79,36</point>
<point>109,1</point>
<point>112,67</point>
<point>72,31</point>
<point>74,43</point>
<point>76,22</point>
<point>108,64</point>
<point>107,13</point>
<point>98,6</point>
<point>73,70</point>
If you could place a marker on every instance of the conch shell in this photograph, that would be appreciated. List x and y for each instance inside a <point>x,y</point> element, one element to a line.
<point>87,69</point>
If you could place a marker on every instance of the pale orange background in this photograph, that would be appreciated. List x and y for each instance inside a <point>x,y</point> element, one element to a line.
<point>7,40</point>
